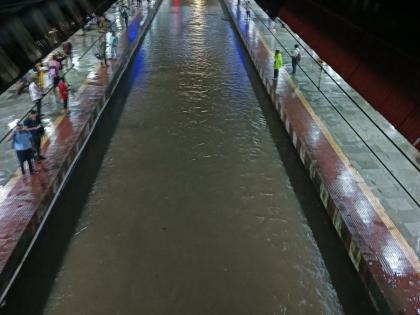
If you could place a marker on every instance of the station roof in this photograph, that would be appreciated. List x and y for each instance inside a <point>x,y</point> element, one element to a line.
<point>8,7</point>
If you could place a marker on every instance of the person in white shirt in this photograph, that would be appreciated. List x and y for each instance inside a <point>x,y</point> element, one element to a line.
<point>113,40</point>
<point>295,58</point>
<point>35,93</point>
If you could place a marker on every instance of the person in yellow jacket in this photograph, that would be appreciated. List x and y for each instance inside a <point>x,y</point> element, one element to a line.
<point>40,75</point>
<point>278,62</point>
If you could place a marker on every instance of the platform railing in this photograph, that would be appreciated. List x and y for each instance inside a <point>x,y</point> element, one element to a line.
<point>69,69</point>
<point>51,88</point>
<point>53,107</point>
<point>320,65</point>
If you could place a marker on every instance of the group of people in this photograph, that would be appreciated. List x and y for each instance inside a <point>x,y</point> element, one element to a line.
<point>26,141</point>
<point>278,58</point>
<point>56,79</point>
<point>109,39</point>
<point>27,136</point>
<point>278,61</point>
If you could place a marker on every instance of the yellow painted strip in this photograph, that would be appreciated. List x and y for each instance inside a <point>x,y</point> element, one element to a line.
<point>379,209</point>
<point>4,190</point>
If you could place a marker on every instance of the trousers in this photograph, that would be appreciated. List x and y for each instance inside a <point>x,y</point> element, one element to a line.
<point>25,155</point>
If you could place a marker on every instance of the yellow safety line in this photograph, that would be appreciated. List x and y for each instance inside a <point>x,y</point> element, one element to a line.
<point>4,190</point>
<point>379,209</point>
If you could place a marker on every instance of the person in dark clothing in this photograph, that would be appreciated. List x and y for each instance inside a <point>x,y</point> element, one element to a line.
<point>124,14</point>
<point>24,82</point>
<point>22,144</point>
<point>68,52</point>
<point>34,125</point>
<point>101,51</point>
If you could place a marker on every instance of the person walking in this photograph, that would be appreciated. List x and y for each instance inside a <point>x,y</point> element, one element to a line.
<point>295,58</point>
<point>34,125</point>
<point>113,39</point>
<point>22,144</point>
<point>35,93</point>
<point>278,62</point>
<point>63,90</point>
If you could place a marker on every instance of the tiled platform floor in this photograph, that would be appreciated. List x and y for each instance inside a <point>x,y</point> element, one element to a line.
<point>13,108</point>
<point>383,157</point>
<point>365,171</point>
<point>26,200</point>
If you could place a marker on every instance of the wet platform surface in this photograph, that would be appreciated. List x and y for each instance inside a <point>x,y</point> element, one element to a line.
<point>15,107</point>
<point>353,163</point>
<point>25,200</point>
<point>199,204</point>
<point>367,173</point>
<point>383,157</point>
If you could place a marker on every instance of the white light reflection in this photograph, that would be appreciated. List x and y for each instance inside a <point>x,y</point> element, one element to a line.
<point>394,257</point>
<point>13,123</point>
<point>364,210</point>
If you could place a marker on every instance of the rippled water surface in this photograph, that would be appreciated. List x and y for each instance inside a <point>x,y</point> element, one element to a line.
<point>193,210</point>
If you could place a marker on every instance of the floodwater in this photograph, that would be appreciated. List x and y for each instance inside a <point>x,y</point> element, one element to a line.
<point>190,198</point>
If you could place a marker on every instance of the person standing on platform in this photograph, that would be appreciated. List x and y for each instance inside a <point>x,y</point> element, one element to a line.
<point>124,15</point>
<point>34,125</point>
<point>35,93</point>
<point>113,39</point>
<point>54,67</point>
<point>39,70</point>
<point>22,144</point>
<point>248,9</point>
<point>63,90</point>
<point>101,51</point>
<point>295,58</point>
<point>278,62</point>
<point>68,51</point>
